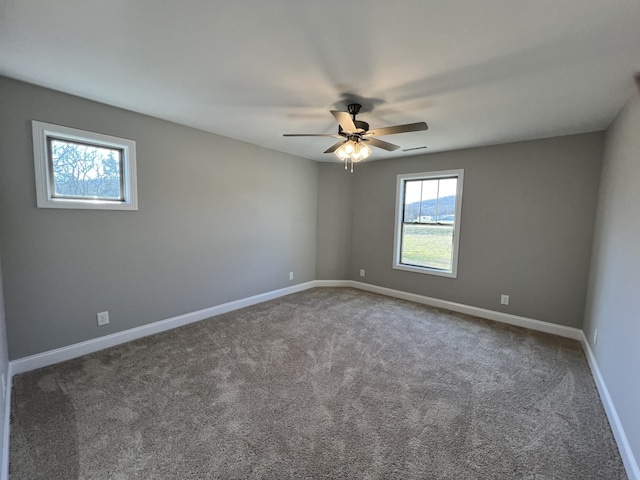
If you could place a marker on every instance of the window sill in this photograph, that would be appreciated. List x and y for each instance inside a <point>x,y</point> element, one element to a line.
<point>85,204</point>
<point>426,270</point>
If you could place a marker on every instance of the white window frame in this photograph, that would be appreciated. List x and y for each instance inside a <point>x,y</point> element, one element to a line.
<point>44,176</point>
<point>397,239</point>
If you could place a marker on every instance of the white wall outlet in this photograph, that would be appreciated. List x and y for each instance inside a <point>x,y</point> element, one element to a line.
<point>290,275</point>
<point>504,299</point>
<point>103,318</point>
<point>595,336</point>
<point>362,272</point>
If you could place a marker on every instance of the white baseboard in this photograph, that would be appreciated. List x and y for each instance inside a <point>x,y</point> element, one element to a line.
<point>333,283</point>
<point>629,460</point>
<point>547,327</point>
<point>58,355</point>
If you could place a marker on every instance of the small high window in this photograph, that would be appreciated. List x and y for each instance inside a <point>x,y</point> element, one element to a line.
<point>427,227</point>
<point>80,169</point>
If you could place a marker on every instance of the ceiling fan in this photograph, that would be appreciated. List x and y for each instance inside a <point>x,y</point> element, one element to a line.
<point>356,137</point>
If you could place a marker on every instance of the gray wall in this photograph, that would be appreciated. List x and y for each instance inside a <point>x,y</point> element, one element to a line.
<point>613,306</point>
<point>334,222</point>
<point>527,223</point>
<point>218,220</point>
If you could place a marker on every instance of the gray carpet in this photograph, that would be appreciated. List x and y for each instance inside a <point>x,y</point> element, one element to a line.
<point>327,383</point>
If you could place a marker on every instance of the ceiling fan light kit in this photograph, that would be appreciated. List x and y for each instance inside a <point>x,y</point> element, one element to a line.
<point>354,151</point>
<point>356,136</point>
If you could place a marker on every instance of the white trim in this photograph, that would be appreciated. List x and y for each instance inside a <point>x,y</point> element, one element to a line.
<point>333,283</point>
<point>397,240</point>
<point>45,199</point>
<point>628,459</point>
<point>58,355</point>
<point>547,327</point>
<point>4,467</point>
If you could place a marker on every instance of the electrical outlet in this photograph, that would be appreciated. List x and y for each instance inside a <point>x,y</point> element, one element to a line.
<point>362,272</point>
<point>504,299</point>
<point>595,336</point>
<point>290,275</point>
<point>103,318</point>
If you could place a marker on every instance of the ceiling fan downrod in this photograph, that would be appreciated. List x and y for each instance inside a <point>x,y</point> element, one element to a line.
<point>354,109</point>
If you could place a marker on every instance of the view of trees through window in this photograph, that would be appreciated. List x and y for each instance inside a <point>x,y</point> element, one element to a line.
<point>428,223</point>
<point>87,171</point>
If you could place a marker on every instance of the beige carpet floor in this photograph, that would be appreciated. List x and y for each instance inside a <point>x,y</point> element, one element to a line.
<point>323,384</point>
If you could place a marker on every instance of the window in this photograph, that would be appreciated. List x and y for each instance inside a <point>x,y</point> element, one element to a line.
<point>427,230</point>
<point>80,169</point>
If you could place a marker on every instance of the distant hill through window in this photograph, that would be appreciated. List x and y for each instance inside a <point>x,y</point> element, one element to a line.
<point>446,209</point>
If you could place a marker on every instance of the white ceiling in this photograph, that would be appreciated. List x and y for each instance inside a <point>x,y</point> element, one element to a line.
<point>478,72</point>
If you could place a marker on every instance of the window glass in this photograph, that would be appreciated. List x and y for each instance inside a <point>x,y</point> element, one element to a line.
<point>81,170</point>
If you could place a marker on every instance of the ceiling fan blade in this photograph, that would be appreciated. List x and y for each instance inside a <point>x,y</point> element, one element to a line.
<point>311,135</point>
<point>389,147</point>
<point>409,127</point>
<point>345,121</point>
<point>333,148</point>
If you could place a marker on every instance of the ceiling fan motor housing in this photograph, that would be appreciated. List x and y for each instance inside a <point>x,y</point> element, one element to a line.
<point>361,126</point>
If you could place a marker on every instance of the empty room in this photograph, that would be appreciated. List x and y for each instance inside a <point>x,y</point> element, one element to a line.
<point>338,240</point>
